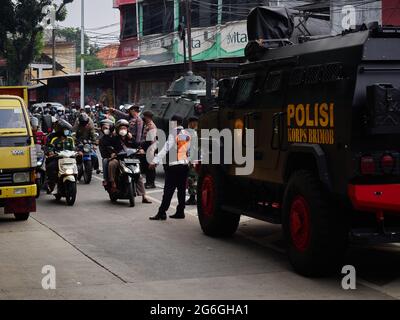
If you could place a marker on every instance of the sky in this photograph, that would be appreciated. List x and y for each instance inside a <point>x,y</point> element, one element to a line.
<point>98,13</point>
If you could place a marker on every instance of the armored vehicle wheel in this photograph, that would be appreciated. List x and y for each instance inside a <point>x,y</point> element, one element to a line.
<point>213,220</point>
<point>315,232</point>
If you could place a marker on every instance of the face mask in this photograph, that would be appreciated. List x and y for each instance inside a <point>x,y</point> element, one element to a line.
<point>67,132</point>
<point>123,133</point>
<point>106,132</point>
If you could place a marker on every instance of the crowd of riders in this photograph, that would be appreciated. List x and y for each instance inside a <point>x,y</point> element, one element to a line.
<point>57,128</point>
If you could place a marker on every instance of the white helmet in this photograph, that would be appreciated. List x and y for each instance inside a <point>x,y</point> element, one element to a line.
<point>122,107</point>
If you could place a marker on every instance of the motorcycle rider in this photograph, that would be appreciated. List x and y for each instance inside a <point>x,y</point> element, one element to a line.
<point>47,121</point>
<point>60,142</point>
<point>135,122</point>
<point>84,130</point>
<point>121,142</point>
<point>105,142</point>
<point>38,135</point>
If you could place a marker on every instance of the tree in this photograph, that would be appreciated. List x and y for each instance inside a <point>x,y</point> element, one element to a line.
<point>20,34</point>
<point>91,60</point>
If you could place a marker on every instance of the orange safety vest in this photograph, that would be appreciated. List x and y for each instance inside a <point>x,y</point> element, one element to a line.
<point>183,144</point>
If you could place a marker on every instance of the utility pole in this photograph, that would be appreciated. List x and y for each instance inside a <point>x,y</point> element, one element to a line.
<point>82,102</point>
<point>189,33</point>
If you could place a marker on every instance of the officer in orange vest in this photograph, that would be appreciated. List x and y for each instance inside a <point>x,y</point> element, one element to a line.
<point>176,152</point>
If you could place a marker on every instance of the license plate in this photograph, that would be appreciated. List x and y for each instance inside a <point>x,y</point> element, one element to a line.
<point>131,161</point>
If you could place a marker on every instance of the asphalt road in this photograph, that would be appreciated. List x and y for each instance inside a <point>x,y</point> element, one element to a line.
<point>102,250</point>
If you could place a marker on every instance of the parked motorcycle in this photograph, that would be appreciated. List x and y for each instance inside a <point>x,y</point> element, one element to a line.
<point>40,170</point>
<point>127,177</point>
<point>85,160</point>
<point>67,176</point>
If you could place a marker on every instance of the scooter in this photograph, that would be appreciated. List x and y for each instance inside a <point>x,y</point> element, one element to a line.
<point>85,161</point>
<point>40,170</point>
<point>127,177</point>
<point>67,176</point>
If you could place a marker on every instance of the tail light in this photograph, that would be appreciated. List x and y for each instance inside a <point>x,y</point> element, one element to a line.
<point>198,108</point>
<point>387,163</point>
<point>367,165</point>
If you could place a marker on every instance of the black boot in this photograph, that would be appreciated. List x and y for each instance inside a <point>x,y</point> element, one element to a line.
<point>191,201</point>
<point>178,216</point>
<point>159,216</point>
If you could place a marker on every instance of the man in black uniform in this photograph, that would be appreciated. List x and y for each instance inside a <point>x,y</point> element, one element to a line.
<point>176,150</point>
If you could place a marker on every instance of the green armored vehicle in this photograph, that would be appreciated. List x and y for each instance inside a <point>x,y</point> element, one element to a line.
<point>326,119</point>
<point>183,98</point>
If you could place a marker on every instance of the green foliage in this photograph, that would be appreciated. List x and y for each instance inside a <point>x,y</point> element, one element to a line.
<point>91,60</point>
<point>21,36</point>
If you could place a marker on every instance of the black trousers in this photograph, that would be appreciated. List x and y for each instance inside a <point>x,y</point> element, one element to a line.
<point>149,173</point>
<point>175,178</point>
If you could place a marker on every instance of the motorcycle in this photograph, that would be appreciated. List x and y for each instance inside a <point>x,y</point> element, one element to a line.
<point>127,177</point>
<point>40,170</point>
<point>85,161</point>
<point>67,174</point>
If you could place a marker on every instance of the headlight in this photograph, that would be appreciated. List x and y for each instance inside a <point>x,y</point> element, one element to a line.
<point>39,164</point>
<point>86,149</point>
<point>69,171</point>
<point>21,177</point>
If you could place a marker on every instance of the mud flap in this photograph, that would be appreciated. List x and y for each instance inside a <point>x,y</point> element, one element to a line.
<point>69,178</point>
<point>20,205</point>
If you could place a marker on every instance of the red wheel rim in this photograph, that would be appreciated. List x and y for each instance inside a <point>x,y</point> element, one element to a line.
<point>207,196</point>
<point>299,220</point>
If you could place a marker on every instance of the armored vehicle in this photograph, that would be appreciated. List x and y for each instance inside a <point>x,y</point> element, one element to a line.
<point>183,98</point>
<point>326,120</point>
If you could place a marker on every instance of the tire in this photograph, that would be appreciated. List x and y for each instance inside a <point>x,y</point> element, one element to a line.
<point>131,194</point>
<point>70,192</point>
<point>80,171</point>
<point>113,197</point>
<point>213,220</point>
<point>22,216</point>
<point>87,171</point>
<point>38,187</point>
<point>316,233</point>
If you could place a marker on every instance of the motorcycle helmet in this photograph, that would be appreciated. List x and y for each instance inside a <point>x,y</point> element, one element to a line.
<point>63,126</point>
<point>83,119</point>
<point>121,123</point>
<point>34,123</point>
<point>109,123</point>
<point>60,110</point>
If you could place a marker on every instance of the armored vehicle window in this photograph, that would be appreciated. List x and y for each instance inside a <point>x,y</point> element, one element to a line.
<point>244,88</point>
<point>332,72</point>
<point>274,81</point>
<point>297,76</point>
<point>313,74</point>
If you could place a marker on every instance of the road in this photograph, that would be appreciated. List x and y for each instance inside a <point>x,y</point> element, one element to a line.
<point>110,251</point>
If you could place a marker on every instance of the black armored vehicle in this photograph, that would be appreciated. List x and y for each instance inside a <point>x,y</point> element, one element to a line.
<point>184,98</point>
<point>325,113</point>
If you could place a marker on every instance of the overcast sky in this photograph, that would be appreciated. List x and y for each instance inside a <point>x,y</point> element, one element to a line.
<point>98,13</point>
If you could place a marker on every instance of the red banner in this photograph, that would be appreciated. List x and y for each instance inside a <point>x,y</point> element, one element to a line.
<point>118,3</point>
<point>128,52</point>
<point>391,12</point>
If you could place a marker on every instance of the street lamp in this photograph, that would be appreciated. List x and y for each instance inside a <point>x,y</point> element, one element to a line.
<point>54,34</point>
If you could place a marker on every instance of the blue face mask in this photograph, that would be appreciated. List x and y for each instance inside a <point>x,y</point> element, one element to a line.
<point>67,133</point>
